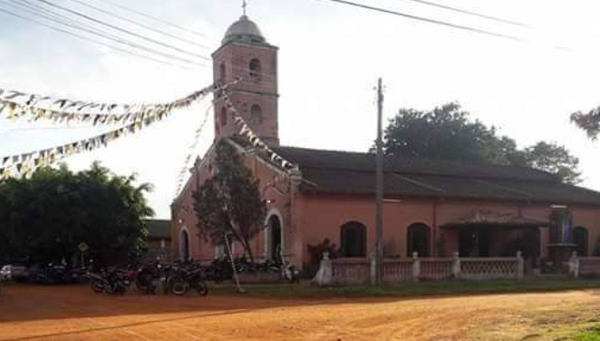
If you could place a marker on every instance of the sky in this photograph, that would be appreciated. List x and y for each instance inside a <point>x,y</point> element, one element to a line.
<point>330,58</point>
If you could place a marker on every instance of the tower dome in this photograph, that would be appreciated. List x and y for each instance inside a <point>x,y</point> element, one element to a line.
<point>244,30</point>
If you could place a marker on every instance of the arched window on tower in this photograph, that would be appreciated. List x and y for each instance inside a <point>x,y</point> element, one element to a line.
<point>223,117</point>
<point>222,73</point>
<point>256,114</point>
<point>255,70</point>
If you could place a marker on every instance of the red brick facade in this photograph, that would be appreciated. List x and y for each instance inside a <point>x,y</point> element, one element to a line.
<point>255,96</point>
<point>308,218</point>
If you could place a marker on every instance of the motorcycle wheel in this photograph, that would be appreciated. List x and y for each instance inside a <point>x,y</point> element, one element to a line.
<point>97,287</point>
<point>121,289</point>
<point>202,288</point>
<point>179,287</point>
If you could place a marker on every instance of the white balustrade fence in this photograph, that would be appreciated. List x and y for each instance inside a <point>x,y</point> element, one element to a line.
<point>343,271</point>
<point>584,266</point>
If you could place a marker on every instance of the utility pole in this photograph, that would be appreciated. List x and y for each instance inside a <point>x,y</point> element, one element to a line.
<point>379,189</point>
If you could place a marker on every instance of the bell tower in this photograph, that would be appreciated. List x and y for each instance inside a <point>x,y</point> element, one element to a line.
<point>245,54</point>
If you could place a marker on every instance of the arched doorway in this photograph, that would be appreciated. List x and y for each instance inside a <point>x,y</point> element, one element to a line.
<point>418,239</point>
<point>353,239</point>
<point>580,238</point>
<point>274,238</point>
<point>184,246</point>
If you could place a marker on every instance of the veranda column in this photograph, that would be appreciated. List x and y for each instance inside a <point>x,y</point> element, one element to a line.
<point>416,267</point>
<point>456,266</point>
<point>520,266</point>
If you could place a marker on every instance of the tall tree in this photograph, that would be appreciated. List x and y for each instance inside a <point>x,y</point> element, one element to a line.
<point>46,217</point>
<point>589,122</point>
<point>229,203</point>
<point>447,132</point>
<point>554,159</point>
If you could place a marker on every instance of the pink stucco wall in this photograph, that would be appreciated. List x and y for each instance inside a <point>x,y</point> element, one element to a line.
<point>310,218</point>
<point>323,215</point>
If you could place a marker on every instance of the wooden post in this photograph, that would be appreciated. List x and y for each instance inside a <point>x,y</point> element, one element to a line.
<point>456,265</point>
<point>373,267</point>
<point>520,266</point>
<point>379,188</point>
<point>416,267</point>
<point>235,274</point>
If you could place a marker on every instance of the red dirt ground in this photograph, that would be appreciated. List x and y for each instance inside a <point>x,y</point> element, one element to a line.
<point>75,313</point>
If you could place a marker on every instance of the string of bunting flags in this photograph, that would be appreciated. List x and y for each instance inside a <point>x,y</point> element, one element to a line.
<point>16,104</point>
<point>246,132</point>
<point>191,149</point>
<point>25,164</point>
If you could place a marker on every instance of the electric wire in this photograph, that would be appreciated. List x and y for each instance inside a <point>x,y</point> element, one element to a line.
<point>65,21</point>
<point>111,46</point>
<point>148,16</point>
<point>150,28</point>
<point>427,20</point>
<point>472,13</point>
<point>126,31</point>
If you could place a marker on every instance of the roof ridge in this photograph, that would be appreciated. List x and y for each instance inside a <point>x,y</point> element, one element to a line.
<point>406,173</point>
<point>430,159</point>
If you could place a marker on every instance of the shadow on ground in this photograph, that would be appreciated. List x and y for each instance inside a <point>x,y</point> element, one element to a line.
<point>32,302</point>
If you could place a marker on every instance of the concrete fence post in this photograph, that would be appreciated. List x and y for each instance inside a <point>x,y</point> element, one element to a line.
<point>325,274</point>
<point>373,268</point>
<point>574,265</point>
<point>456,265</point>
<point>416,267</point>
<point>520,266</point>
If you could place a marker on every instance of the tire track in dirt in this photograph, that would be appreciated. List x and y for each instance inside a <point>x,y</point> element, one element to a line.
<point>74,313</point>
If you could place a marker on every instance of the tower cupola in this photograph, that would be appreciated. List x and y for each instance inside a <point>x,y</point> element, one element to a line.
<point>243,30</point>
<point>246,55</point>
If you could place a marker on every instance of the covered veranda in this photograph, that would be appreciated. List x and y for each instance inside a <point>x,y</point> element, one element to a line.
<point>496,234</point>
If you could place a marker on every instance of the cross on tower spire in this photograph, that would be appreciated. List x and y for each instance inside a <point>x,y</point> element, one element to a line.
<point>244,5</point>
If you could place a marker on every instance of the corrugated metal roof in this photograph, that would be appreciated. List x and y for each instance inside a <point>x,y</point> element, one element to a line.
<point>158,228</point>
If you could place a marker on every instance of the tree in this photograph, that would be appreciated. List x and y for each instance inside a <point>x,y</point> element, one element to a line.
<point>229,203</point>
<point>447,132</point>
<point>46,217</point>
<point>589,122</point>
<point>554,159</point>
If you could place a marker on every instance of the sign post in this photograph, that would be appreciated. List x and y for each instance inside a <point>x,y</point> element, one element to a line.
<point>83,248</point>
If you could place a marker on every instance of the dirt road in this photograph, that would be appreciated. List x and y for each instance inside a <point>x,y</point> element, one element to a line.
<point>75,313</point>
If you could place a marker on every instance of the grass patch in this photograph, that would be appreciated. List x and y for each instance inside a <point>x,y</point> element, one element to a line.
<point>307,291</point>
<point>590,334</point>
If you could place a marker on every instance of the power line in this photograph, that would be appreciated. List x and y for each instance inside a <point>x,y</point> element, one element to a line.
<point>65,21</point>
<point>472,13</point>
<point>156,19</point>
<point>427,20</point>
<point>54,28</point>
<point>150,28</point>
<point>114,27</point>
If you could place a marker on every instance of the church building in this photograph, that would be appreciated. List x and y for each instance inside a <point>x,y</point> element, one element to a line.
<point>431,207</point>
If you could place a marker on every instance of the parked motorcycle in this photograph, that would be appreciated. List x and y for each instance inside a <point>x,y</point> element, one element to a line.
<point>147,276</point>
<point>111,282</point>
<point>188,277</point>
<point>52,274</point>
